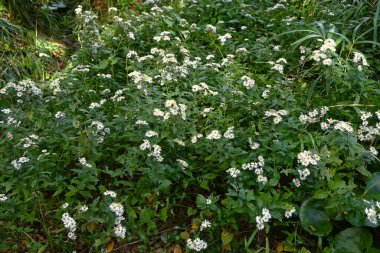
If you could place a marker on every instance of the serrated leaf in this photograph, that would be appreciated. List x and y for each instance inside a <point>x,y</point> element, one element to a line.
<point>320,194</point>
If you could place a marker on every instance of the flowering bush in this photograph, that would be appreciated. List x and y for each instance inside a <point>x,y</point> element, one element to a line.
<point>189,122</point>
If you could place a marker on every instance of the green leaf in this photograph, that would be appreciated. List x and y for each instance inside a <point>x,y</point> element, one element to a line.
<point>373,184</point>
<point>320,194</point>
<point>353,240</point>
<point>313,217</point>
<point>226,237</point>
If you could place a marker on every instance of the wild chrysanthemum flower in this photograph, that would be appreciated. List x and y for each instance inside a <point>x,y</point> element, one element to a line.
<point>120,231</point>
<point>214,135</point>
<point>112,194</point>
<point>289,212</point>
<point>196,244</point>
<point>233,172</point>
<point>205,224</point>
<point>307,158</point>
<point>3,197</point>
<point>117,208</point>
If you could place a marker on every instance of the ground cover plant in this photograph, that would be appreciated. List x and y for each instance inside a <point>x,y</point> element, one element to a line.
<point>184,126</point>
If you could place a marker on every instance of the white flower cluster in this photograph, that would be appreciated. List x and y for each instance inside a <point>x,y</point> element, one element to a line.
<point>196,244</point>
<point>112,194</point>
<point>99,130</point>
<point>139,79</point>
<point>118,209</point>
<point>81,69</point>
<point>214,135</point>
<point>83,209</point>
<point>183,163</point>
<point>151,133</point>
<point>59,115</point>
<point>164,36</point>
<point>174,109</point>
<point>275,7</point>
<point>264,218</point>
<point>276,114</point>
<point>205,111</point>
<point>247,82</point>
<point>278,65</point>
<point>117,97</point>
<point>141,122</point>
<point>307,158</point>
<point>210,28</point>
<point>3,197</point>
<point>30,141</point>
<point>203,88</point>
<point>289,212</point>
<point>373,151</point>
<point>229,134</point>
<point>313,116</point>
<point>84,162</point>
<point>155,150</point>
<point>19,162</point>
<point>23,89</point>
<point>366,132</point>
<point>253,145</point>
<point>224,38</point>
<point>205,224</point>
<point>195,138</point>
<point>233,172</point>
<point>258,169</point>
<point>372,214</point>
<point>95,105</point>
<point>341,126</point>
<point>321,54</point>
<point>360,59</point>
<point>179,142</point>
<point>70,225</point>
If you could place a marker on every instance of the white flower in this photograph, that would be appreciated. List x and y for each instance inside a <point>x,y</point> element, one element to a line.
<point>84,162</point>
<point>3,197</point>
<point>183,163</point>
<point>205,224</point>
<point>373,151</point>
<point>229,134</point>
<point>117,208</point>
<point>59,114</point>
<point>214,135</point>
<point>371,215</point>
<point>65,205</point>
<point>120,231</point>
<point>69,222</point>
<point>112,194</point>
<point>151,133</point>
<point>83,209</point>
<point>289,212</point>
<point>307,158</point>
<point>233,172</point>
<point>247,82</point>
<point>196,244</point>
<point>327,62</point>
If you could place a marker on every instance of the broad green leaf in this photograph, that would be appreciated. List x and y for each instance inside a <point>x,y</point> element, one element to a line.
<point>313,217</point>
<point>352,240</point>
<point>373,184</point>
<point>226,237</point>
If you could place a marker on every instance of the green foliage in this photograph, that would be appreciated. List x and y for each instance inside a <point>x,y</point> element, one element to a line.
<point>214,125</point>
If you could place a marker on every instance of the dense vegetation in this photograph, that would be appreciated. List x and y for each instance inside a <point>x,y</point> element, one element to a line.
<point>190,125</point>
